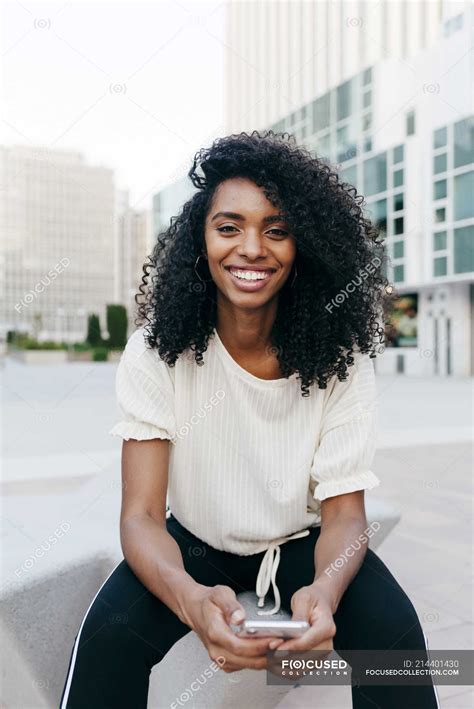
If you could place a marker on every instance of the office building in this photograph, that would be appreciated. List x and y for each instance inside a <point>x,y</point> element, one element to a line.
<point>281,53</point>
<point>133,244</point>
<point>57,248</point>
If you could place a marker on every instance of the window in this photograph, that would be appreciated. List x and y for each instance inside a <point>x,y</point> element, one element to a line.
<point>398,225</point>
<point>366,99</point>
<point>440,189</point>
<point>321,113</point>
<point>367,76</point>
<point>347,148</point>
<point>440,137</point>
<point>464,249</point>
<point>398,202</point>
<point>452,25</point>
<point>367,145</point>
<point>440,240</point>
<point>379,211</point>
<point>440,266</point>
<point>342,135</point>
<point>398,154</point>
<point>457,22</point>
<point>344,100</point>
<point>464,196</point>
<point>398,249</point>
<point>398,178</point>
<point>398,273</point>
<point>375,174</point>
<point>349,174</point>
<point>464,142</point>
<point>440,163</point>
<point>410,123</point>
<point>366,121</point>
<point>440,215</point>
<point>324,145</point>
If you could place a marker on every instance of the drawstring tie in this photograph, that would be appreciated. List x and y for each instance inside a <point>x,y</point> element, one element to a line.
<point>268,570</point>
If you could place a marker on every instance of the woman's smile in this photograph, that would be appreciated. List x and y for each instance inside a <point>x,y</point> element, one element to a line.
<point>249,278</point>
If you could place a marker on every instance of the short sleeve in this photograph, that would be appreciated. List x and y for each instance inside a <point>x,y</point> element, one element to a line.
<point>144,388</point>
<point>342,462</point>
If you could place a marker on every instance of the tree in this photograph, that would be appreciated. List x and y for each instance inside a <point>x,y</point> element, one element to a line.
<point>117,325</point>
<point>94,336</point>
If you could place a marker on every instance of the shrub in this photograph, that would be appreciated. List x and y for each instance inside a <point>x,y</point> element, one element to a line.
<point>32,344</point>
<point>94,337</point>
<point>81,347</point>
<point>100,354</point>
<point>117,326</point>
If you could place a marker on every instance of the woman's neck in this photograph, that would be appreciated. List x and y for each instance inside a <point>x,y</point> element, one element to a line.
<point>246,336</point>
<point>245,331</point>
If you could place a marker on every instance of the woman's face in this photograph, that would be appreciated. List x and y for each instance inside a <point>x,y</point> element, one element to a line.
<point>250,249</point>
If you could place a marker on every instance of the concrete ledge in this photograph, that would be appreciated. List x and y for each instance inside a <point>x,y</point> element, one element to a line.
<point>37,627</point>
<point>39,356</point>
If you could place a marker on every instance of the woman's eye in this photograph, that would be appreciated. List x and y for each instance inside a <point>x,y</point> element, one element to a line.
<point>222,228</point>
<point>281,232</point>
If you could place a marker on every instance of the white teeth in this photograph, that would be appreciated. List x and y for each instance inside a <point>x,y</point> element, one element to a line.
<point>250,275</point>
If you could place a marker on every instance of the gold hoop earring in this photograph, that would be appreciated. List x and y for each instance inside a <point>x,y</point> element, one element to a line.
<point>203,280</point>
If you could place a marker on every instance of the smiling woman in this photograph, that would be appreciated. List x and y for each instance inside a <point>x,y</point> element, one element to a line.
<point>244,335</point>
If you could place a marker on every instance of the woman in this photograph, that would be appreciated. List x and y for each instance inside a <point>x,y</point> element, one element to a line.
<point>249,402</point>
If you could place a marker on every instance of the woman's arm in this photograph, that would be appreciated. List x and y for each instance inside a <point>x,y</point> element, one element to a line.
<point>339,552</point>
<point>338,555</point>
<point>151,552</point>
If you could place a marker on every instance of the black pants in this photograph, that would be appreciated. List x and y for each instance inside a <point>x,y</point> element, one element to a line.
<point>127,630</point>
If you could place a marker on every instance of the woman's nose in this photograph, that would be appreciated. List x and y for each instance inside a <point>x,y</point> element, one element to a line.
<point>252,245</point>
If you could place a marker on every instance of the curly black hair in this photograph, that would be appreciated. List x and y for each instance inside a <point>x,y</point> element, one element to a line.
<point>339,298</point>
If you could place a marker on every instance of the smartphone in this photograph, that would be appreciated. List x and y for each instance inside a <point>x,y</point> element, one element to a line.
<point>271,628</point>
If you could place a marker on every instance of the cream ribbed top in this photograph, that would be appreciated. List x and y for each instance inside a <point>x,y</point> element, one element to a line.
<point>251,459</point>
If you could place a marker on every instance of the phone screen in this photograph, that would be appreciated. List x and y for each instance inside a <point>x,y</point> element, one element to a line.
<point>272,628</point>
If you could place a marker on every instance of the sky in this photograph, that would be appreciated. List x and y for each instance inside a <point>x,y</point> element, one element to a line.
<point>136,87</point>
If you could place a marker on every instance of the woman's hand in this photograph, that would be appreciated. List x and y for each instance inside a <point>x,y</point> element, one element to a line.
<point>312,603</point>
<point>209,611</point>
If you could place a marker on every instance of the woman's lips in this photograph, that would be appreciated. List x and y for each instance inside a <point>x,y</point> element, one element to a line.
<point>249,285</point>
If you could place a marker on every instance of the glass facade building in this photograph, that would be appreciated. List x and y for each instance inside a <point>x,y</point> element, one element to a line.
<point>414,165</point>
<point>453,193</point>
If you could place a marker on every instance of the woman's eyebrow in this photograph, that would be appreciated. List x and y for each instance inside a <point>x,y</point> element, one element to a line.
<point>240,217</point>
<point>229,215</point>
